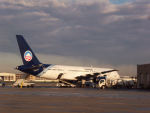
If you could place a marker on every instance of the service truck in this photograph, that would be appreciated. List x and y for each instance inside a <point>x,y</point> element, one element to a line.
<point>23,83</point>
<point>104,82</point>
<point>123,82</point>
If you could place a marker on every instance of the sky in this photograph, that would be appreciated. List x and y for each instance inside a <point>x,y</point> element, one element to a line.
<point>97,33</point>
<point>120,1</point>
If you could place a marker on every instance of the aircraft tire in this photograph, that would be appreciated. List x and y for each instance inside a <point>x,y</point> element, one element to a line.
<point>103,87</point>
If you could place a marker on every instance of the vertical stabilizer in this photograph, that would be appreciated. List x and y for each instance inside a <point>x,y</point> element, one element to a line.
<point>28,56</point>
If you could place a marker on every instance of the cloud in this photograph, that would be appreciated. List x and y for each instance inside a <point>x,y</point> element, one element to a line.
<point>93,31</point>
<point>127,70</point>
<point>8,62</point>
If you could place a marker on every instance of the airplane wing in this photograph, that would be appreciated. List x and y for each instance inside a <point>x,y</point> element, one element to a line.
<point>93,75</point>
<point>108,71</point>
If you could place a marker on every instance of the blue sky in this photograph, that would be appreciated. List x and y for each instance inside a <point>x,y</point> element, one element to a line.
<point>121,1</point>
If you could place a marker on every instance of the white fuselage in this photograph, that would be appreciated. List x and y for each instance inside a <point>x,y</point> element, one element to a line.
<point>71,72</point>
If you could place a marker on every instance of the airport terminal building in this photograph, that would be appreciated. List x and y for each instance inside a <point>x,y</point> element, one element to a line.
<point>143,76</point>
<point>12,77</point>
<point>8,77</point>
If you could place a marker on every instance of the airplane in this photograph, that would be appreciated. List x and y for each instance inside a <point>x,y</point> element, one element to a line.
<point>65,74</point>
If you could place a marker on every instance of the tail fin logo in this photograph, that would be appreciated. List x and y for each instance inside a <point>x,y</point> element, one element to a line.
<point>28,56</point>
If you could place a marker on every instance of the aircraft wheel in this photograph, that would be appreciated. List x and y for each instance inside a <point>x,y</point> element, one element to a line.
<point>103,87</point>
<point>59,85</point>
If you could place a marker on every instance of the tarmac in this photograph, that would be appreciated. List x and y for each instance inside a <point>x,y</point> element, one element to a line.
<point>73,100</point>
